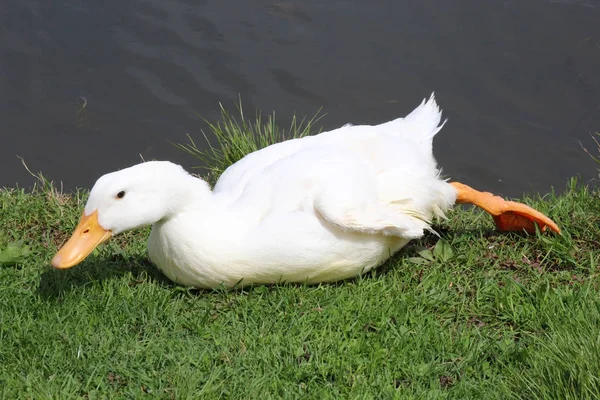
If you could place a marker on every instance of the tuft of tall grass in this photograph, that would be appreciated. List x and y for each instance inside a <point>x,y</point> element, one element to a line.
<point>236,136</point>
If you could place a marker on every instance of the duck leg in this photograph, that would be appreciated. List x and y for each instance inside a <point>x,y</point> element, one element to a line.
<point>508,215</point>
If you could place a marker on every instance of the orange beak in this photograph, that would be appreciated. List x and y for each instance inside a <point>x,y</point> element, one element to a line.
<point>86,237</point>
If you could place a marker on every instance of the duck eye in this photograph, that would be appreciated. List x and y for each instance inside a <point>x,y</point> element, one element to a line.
<point>121,194</point>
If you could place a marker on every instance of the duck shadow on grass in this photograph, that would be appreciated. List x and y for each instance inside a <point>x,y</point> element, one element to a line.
<point>55,283</point>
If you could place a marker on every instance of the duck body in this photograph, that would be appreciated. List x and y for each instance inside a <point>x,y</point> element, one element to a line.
<point>317,209</point>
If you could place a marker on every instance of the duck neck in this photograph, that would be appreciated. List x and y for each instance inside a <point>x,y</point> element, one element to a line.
<point>186,193</point>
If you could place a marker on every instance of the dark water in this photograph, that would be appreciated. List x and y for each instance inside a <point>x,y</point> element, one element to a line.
<point>518,79</point>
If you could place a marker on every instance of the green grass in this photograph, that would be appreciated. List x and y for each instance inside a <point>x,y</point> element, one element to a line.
<point>475,314</point>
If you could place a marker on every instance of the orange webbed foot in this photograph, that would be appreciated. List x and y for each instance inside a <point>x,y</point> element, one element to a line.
<point>519,217</point>
<point>508,215</point>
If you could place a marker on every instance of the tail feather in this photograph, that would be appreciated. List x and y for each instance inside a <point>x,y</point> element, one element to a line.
<point>426,118</point>
<point>420,126</point>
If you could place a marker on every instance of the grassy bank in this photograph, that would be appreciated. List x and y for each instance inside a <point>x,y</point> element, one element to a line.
<point>477,314</point>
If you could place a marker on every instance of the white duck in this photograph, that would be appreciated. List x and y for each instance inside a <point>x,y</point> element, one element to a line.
<point>317,209</point>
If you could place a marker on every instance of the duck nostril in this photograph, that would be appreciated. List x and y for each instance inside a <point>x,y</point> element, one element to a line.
<point>87,231</point>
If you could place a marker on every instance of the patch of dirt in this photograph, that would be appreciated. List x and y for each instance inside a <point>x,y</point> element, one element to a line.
<point>446,381</point>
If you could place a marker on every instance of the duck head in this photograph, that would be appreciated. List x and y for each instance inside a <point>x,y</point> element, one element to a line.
<point>127,199</point>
